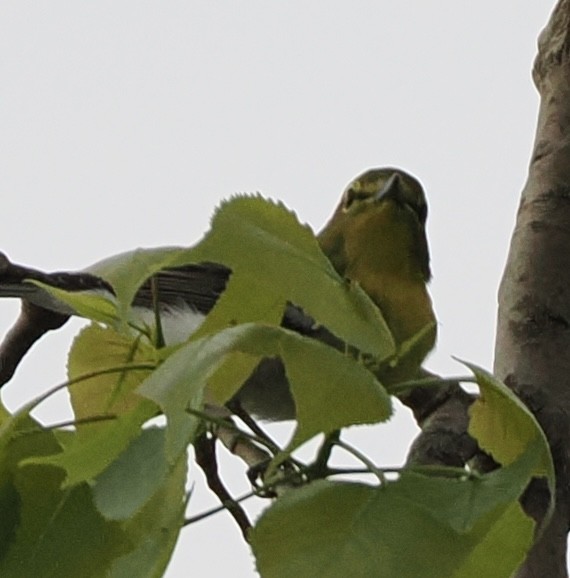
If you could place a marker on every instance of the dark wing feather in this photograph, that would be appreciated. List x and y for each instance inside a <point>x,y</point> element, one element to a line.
<point>198,285</point>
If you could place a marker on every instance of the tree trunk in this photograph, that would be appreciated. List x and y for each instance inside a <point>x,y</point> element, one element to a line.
<point>533,336</point>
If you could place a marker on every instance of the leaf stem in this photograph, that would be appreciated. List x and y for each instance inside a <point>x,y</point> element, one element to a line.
<point>364,459</point>
<point>116,369</point>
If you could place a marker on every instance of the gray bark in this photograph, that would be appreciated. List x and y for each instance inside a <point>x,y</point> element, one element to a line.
<point>532,352</point>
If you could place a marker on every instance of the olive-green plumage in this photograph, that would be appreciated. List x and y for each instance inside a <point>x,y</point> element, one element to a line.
<point>377,238</point>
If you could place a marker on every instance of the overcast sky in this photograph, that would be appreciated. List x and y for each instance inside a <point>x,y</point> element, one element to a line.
<point>123,124</point>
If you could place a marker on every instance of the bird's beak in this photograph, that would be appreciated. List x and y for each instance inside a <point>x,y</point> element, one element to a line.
<point>391,189</point>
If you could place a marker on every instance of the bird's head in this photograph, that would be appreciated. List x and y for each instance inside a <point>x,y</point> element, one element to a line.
<point>377,186</point>
<point>379,224</point>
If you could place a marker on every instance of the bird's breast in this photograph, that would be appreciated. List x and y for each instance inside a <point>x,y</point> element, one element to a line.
<point>404,302</point>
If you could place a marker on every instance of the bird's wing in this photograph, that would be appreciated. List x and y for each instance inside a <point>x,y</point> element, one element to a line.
<point>198,285</point>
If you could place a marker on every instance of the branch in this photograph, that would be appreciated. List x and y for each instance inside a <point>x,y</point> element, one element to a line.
<point>205,451</point>
<point>32,323</point>
<point>440,409</point>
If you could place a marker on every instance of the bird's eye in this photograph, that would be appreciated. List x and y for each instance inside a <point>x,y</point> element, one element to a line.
<point>348,198</point>
<point>351,195</point>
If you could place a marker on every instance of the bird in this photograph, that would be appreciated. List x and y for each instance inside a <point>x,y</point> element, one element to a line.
<point>376,237</point>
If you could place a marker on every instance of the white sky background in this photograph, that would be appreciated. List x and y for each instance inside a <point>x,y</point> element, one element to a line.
<point>123,124</point>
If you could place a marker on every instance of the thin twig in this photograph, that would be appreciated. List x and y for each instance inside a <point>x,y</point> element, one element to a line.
<point>319,469</point>
<point>205,451</point>
<point>216,510</point>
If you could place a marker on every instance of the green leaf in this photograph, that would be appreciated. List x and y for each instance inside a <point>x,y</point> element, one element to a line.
<point>97,349</point>
<point>94,446</point>
<point>502,424</point>
<point>505,428</point>
<point>88,454</point>
<point>334,530</point>
<point>330,390</point>
<point>252,235</point>
<point>271,240</point>
<point>88,305</point>
<point>127,271</point>
<point>463,503</point>
<point>48,532</point>
<point>130,481</point>
<point>10,503</point>
<point>60,533</point>
<point>154,530</point>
